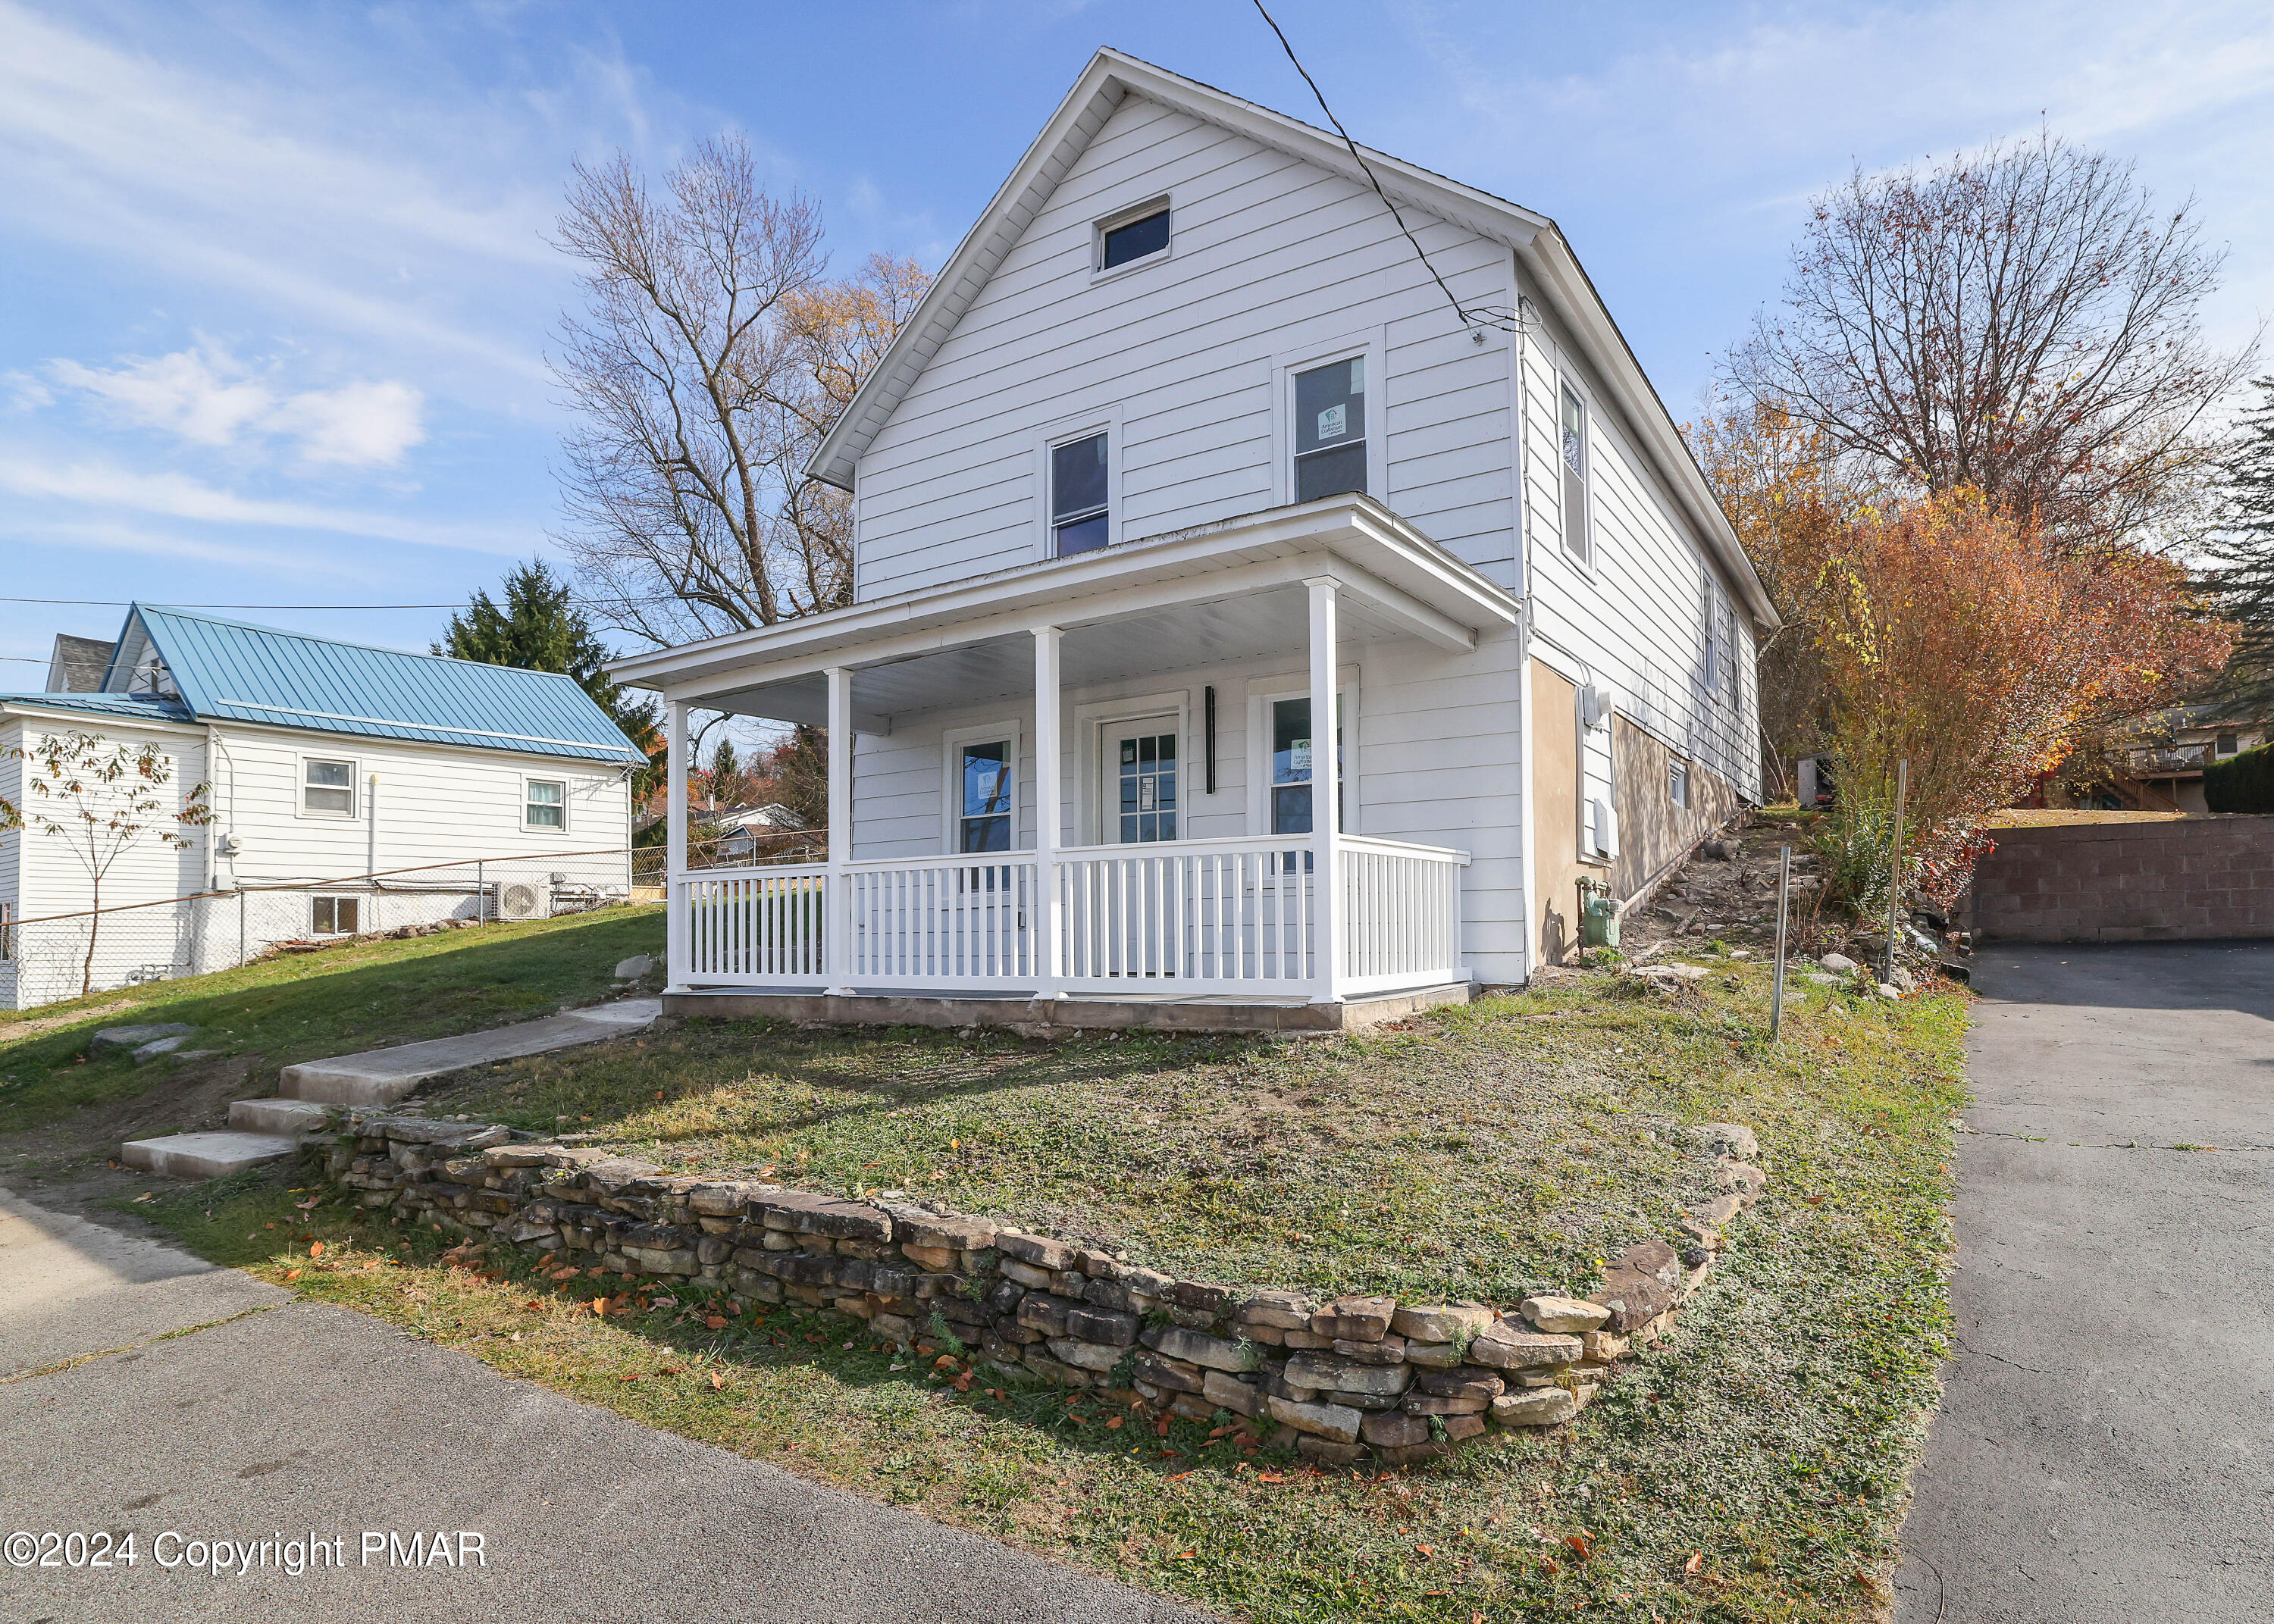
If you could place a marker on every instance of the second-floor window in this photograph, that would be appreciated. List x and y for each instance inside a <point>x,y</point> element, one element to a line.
<point>1330,430</point>
<point>1078,518</point>
<point>2230,744</point>
<point>1574,460</point>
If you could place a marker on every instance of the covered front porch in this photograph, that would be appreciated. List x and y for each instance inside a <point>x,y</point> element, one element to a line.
<point>1079,871</point>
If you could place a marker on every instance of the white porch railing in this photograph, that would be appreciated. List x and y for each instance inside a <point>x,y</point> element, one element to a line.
<point>942,922</point>
<point>1197,918</point>
<point>749,927</point>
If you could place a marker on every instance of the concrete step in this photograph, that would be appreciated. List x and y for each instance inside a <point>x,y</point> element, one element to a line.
<point>205,1155</point>
<point>382,1075</point>
<point>288,1117</point>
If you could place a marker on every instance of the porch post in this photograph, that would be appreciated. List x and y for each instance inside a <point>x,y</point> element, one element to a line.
<point>675,844</point>
<point>1050,964</point>
<point>1326,798</point>
<point>837,933</point>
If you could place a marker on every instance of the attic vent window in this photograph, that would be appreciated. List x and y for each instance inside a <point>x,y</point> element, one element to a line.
<point>1124,241</point>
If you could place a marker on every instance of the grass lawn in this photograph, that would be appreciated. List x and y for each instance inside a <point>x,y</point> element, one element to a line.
<point>1750,1467</point>
<point>292,1007</point>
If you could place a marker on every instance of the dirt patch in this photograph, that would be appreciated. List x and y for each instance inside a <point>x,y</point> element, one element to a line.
<point>70,1162</point>
<point>50,1023</point>
<point>1727,892</point>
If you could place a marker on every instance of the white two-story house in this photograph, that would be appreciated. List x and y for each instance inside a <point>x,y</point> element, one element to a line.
<point>1186,452</point>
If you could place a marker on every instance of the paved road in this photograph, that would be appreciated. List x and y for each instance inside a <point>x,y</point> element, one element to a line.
<point>288,1416</point>
<point>2105,1446</point>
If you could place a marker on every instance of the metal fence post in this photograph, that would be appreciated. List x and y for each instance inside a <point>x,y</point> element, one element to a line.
<point>1895,864</point>
<point>481,895</point>
<point>241,949</point>
<point>1784,898</point>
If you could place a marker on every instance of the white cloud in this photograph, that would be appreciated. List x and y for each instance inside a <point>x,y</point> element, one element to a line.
<point>207,396</point>
<point>89,484</point>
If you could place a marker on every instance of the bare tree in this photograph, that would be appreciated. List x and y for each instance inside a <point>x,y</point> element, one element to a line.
<point>2023,320</point>
<point>712,354</point>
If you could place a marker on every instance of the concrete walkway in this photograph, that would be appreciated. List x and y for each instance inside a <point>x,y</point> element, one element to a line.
<point>2105,1453</point>
<point>287,1417</point>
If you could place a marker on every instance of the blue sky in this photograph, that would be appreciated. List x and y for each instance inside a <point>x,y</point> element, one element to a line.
<point>277,291</point>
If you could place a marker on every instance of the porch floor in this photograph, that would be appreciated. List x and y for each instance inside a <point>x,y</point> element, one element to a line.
<point>1022,1011</point>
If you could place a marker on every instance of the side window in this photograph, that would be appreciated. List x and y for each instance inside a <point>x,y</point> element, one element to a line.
<point>1079,520</point>
<point>984,824</point>
<point>336,916</point>
<point>327,788</point>
<point>1575,476</point>
<point>1330,430</point>
<point>1677,782</point>
<point>1291,766</point>
<point>546,806</point>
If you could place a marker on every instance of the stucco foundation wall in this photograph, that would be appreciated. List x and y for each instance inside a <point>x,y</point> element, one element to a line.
<point>1654,833</point>
<point>2192,880</point>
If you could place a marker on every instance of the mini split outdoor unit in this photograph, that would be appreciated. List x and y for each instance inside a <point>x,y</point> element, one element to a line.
<point>520,899</point>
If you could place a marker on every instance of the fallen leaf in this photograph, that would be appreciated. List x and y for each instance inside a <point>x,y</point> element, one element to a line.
<point>291,1275</point>
<point>633,1377</point>
<point>717,1381</point>
<point>515,1337</point>
<point>1113,1422</point>
<point>1581,1545</point>
<point>533,1303</point>
<point>315,1249</point>
<point>601,1306</point>
<point>147,1195</point>
<point>1697,1560</point>
<point>1427,1551</point>
<point>716,1322</point>
<point>1270,1477</point>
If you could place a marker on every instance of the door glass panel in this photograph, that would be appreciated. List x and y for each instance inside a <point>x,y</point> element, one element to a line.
<point>986,818</point>
<point>1144,790</point>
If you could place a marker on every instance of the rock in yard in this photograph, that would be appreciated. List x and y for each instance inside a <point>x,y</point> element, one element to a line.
<point>1535,1407</point>
<point>1356,1318</point>
<point>1839,964</point>
<point>1440,1323</point>
<point>638,965</point>
<point>1639,1285</point>
<point>1506,1347</point>
<point>114,1038</point>
<point>1325,1373</point>
<point>1337,1423</point>
<point>1568,1315</point>
<point>1211,1352</point>
<point>152,1051</point>
<point>1728,1139</point>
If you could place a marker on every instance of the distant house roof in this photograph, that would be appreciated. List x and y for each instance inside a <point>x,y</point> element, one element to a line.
<point>194,667</point>
<point>78,664</point>
<point>772,815</point>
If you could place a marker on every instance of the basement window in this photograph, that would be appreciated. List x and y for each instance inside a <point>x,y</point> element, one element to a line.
<point>1677,783</point>
<point>337,916</point>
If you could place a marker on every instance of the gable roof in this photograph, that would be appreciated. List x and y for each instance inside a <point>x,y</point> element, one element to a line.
<point>1538,242</point>
<point>78,664</point>
<point>230,671</point>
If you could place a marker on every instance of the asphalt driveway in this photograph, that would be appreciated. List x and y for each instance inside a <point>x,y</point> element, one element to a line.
<point>2105,1446</point>
<point>143,1391</point>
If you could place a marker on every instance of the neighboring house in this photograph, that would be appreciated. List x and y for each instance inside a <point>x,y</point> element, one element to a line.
<point>1184,448</point>
<point>740,832</point>
<point>322,762</point>
<point>2167,761</point>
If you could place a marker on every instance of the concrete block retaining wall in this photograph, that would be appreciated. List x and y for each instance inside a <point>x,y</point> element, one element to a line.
<point>1342,1380</point>
<point>2177,880</point>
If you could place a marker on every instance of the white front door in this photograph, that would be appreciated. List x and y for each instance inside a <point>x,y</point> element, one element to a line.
<point>1140,800</point>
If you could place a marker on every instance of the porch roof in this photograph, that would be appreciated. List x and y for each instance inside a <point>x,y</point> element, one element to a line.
<point>1180,599</point>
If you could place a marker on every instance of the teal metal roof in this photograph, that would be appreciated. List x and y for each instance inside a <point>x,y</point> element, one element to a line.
<point>229,670</point>
<point>137,705</point>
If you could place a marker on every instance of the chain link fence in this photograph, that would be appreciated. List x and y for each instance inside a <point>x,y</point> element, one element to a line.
<point>750,849</point>
<point>59,956</point>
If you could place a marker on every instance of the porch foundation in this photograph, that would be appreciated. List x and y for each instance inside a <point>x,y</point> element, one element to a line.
<point>1042,1017</point>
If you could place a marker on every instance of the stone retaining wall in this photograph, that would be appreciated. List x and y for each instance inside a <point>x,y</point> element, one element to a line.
<point>1343,1379</point>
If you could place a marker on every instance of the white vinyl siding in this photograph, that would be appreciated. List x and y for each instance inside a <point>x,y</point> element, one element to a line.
<point>1271,255</point>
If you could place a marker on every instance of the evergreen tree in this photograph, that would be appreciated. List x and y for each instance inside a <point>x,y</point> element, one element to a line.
<point>2239,584</point>
<point>539,628</point>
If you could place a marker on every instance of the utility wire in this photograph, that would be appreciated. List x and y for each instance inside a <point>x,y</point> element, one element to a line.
<point>1497,317</point>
